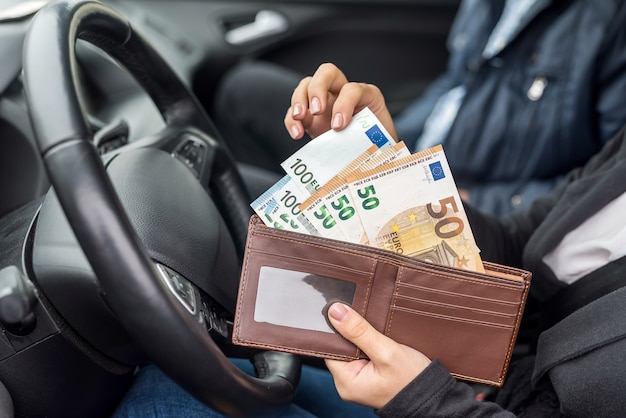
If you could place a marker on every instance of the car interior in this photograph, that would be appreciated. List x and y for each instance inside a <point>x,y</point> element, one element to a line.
<point>123,216</point>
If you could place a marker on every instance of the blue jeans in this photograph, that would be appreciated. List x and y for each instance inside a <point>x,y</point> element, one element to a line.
<point>154,395</point>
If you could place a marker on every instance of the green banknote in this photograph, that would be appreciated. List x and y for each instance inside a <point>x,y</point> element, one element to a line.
<point>279,207</point>
<point>336,198</point>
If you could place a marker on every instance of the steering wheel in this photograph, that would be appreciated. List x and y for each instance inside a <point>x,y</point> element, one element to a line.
<point>145,221</point>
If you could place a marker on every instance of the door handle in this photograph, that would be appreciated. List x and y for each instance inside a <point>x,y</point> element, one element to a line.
<point>266,23</point>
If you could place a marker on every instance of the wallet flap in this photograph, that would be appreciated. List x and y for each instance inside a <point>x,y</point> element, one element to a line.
<point>287,282</point>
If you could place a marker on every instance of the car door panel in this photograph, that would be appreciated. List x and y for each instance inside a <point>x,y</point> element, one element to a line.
<point>398,45</point>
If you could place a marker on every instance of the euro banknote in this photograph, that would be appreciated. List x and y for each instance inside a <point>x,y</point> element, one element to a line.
<point>411,206</point>
<point>335,198</point>
<point>319,160</point>
<point>326,218</point>
<point>279,207</point>
<point>357,185</point>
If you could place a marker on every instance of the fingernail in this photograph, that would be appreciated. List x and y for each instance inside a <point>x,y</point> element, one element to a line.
<point>338,312</point>
<point>297,109</point>
<point>316,106</point>
<point>337,121</point>
<point>295,132</point>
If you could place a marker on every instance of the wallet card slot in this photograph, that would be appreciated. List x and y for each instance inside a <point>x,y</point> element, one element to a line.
<point>483,286</point>
<point>452,298</point>
<point>453,312</point>
<point>468,348</point>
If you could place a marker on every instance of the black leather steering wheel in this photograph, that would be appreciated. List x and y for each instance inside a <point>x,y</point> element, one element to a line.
<point>132,285</point>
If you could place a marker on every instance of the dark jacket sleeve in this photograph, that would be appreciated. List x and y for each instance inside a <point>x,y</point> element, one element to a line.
<point>435,393</point>
<point>504,240</point>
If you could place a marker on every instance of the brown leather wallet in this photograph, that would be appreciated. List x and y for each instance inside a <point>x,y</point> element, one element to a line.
<point>467,320</point>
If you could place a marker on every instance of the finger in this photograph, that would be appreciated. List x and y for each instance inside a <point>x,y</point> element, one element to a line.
<point>327,81</point>
<point>358,331</point>
<point>345,375</point>
<point>300,100</point>
<point>334,365</point>
<point>298,116</point>
<point>294,127</point>
<point>352,98</point>
<point>343,368</point>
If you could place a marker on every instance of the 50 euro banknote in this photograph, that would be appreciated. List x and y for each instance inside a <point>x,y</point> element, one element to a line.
<point>334,201</point>
<point>412,206</point>
<point>324,216</point>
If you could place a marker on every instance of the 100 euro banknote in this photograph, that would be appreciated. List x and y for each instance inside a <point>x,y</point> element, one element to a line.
<point>411,206</point>
<point>279,207</point>
<point>319,160</point>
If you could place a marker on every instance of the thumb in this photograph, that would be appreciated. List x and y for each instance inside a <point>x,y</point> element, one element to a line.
<point>357,330</point>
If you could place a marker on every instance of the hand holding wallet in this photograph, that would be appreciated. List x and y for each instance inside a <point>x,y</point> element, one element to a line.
<point>467,320</point>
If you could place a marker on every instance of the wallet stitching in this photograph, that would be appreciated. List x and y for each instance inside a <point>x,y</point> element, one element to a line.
<point>242,287</point>
<point>353,248</point>
<point>367,295</point>
<point>395,301</point>
<point>316,262</point>
<point>477,379</point>
<point>300,350</point>
<point>460,295</point>
<point>445,305</point>
<point>356,252</point>
<point>323,245</point>
<point>456,277</point>
<point>453,318</point>
<point>515,331</point>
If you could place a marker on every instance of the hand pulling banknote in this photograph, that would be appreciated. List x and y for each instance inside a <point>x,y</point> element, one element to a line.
<point>357,185</point>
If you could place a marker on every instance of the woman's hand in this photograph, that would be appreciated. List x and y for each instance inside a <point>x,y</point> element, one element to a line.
<point>391,366</point>
<point>327,100</point>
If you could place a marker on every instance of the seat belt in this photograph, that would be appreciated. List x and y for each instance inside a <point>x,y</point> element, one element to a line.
<point>602,281</point>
